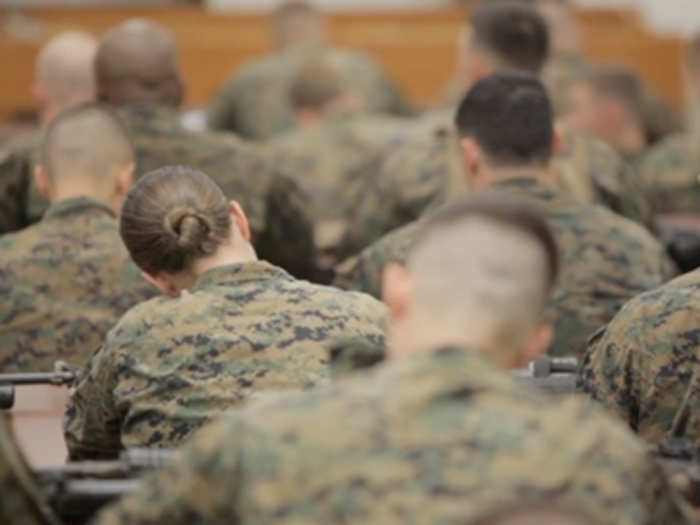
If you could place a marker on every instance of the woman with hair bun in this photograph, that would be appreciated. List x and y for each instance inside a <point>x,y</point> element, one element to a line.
<point>228,325</point>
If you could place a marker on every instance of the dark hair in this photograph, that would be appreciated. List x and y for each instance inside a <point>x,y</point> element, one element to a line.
<point>516,34</point>
<point>510,116</point>
<point>502,208</point>
<point>173,216</point>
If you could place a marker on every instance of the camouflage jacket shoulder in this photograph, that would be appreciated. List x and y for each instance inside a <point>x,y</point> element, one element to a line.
<point>641,364</point>
<point>396,446</point>
<point>172,364</point>
<point>65,281</point>
<point>670,175</point>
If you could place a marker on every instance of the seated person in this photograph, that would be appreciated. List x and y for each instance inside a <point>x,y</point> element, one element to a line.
<point>67,279</point>
<point>229,326</point>
<point>441,432</point>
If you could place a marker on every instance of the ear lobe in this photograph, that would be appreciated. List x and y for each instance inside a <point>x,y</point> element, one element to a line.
<point>42,181</point>
<point>125,178</point>
<point>397,290</point>
<point>536,346</point>
<point>471,157</point>
<point>558,141</point>
<point>240,220</point>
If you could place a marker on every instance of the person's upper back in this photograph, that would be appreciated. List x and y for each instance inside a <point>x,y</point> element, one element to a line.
<point>243,329</point>
<point>66,281</point>
<point>606,260</point>
<point>433,438</point>
<point>254,102</point>
<point>640,366</point>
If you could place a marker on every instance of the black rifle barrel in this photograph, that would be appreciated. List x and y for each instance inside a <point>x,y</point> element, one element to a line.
<point>38,378</point>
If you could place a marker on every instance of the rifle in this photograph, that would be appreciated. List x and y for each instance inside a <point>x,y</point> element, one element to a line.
<point>76,491</point>
<point>558,375</point>
<point>63,374</point>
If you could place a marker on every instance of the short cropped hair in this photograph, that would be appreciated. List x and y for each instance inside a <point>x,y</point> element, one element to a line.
<point>620,83</point>
<point>510,116</point>
<point>315,85</point>
<point>505,210</point>
<point>514,33</point>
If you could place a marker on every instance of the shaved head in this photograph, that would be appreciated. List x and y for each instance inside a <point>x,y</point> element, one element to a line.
<point>137,63</point>
<point>65,71</point>
<point>86,143</point>
<point>480,274</point>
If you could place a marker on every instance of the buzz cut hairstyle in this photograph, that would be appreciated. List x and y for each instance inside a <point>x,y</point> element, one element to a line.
<point>515,33</point>
<point>618,82</point>
<point>502,209</point>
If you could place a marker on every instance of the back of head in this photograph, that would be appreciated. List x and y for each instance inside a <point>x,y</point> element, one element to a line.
<point>693,54</point>
<point>510,116</point>
<point>86,143</point>
<point>296,23</point>
<point>315,86</point>
<point>514,34</point>
<point>483,268</point>
<point>173,216</point>
<point>137,63</point>
<point>65,69</point>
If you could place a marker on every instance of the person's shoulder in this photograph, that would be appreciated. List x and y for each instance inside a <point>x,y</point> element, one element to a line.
<point>355,303</point>
<point>145,317</point>
<point>677,152</point>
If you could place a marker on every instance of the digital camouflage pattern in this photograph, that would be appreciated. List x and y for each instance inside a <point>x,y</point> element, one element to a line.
<point>435,438</point>
<point>606,260</point>
<point>254,102</point>
<point>20,500</point>
<point>669,176</point>
<point>16,183</point>
<point>172,364</point>
<point>281,231</point>
<point>427,171</point>
<point>640,366</point>
<point>65,282</point>
<point>332,164</point>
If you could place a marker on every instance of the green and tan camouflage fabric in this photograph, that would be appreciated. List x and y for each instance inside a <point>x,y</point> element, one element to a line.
<point>606,260</point>
<point>16,183</point>
<point>254,102</point>
<point>427,171</point>
<point>436,438</point>
<point>64,282</point>
<point>669,176</point>
<point>640,366</point>
<point>559,75</point>
<point>172,364</point>
<point>332,164</point>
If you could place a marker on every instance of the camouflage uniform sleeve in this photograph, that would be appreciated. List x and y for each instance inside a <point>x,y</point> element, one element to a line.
<point>608,372</point>
<point>92,423</point>
<point>222,114</point>
<point>200,486</point>
<point>287,238</point>
<point>361,273</point>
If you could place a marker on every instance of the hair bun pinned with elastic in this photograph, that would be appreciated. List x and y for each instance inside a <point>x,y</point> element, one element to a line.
<point>190,228</point>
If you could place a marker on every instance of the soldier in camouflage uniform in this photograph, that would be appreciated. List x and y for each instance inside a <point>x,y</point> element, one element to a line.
<point>67,279</point>
<point>641,365</point>
<point>426,171</point>
<point>230,326</point>
<point>254,104</point>
<point>607,259</point>
<point>64,77</point>
<point>438,434</point>
<point>326,156</point>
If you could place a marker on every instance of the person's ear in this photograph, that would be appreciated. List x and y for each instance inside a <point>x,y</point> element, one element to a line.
<point>124,179</point>
<point>239,220</point>
<point>558,141</point>
<point>472,158</point>
<point>397,290</point>
<point>536,345</point>
<point>164,283</point>
<point>39,94</point>
<point>42,181</point>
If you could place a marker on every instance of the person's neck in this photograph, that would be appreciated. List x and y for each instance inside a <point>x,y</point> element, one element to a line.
<point>74,191</point>
<point>226,255</point>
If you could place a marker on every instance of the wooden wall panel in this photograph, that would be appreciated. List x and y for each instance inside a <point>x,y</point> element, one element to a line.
<point>416,47</point>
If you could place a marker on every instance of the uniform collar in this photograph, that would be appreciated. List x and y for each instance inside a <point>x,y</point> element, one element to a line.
<point>529,186</point>
<point>241,273</point>
<point>77,205</point>
<point>140,116</point>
